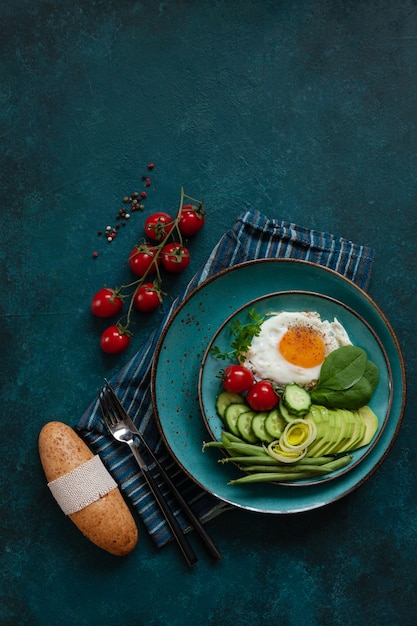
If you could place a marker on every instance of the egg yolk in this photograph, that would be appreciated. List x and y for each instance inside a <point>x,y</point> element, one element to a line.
<point>302,346</point>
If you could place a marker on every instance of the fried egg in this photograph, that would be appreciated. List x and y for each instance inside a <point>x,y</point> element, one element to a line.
<point>292,346</point>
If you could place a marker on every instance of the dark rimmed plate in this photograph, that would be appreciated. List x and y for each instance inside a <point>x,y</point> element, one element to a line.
<point>360,332</point>
<point>177,364</point>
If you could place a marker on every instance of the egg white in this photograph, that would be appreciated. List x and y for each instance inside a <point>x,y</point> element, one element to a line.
<point>265,360</point>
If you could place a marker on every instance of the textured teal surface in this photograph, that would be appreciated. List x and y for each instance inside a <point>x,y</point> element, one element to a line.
<point>304,110</point>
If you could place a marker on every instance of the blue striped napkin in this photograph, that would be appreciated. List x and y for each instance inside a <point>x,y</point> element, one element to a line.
<point>253,236</point>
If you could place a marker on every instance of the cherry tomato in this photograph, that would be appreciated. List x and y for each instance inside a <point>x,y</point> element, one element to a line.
<point>142,260</point>
<point>114,340</point>
<point>174,257</point>
<point>262,396</point>
<point>191,220</point>
<point>106,303</point>
<point>148,297</point>
<point>237,379</point>
<point>158,226</point>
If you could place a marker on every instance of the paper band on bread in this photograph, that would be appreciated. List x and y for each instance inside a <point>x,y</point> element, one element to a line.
<point>84,485</point>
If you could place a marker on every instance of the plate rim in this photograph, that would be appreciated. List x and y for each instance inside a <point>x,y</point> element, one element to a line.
<point>351,311</point>
<point>188,296</point>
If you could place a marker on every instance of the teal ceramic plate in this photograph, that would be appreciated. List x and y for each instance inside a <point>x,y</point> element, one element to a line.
<point>360,333</point>
<point>179,355</point>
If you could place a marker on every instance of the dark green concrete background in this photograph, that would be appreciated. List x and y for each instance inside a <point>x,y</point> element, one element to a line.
<point>306,110</point>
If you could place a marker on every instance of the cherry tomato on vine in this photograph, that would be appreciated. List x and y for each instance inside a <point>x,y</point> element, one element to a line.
<point>237,379</point>
<point>142,260</point>
<point>106,303</point>
<point>262,396</point>
<point>148,297</point>
<point>191,220</point>
<point>174,257</point>
<point>158,226</point>
<point>114,340</point>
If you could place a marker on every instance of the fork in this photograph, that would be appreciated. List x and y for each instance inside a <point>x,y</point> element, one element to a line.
<point>122,432</point>
<point>197,525</point>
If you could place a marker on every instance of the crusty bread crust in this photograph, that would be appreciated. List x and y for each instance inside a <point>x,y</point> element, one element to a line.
<point>108,522</point>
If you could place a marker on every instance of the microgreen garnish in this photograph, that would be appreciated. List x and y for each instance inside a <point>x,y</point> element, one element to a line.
<point>243,334</point>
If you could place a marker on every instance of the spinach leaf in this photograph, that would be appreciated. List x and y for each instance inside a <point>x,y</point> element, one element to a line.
<point>356,396</point>
<point>372,374</point>
<point>343,368</point>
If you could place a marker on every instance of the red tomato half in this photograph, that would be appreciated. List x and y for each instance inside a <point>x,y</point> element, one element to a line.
<point>237,379</point>
<point>148,297</point>
<point>142,260</point>
<point>174,257</point>
<point>114,340</point>
<point>158,226</point>
<point>106,303</point>
<point>191,220</point>
<point>262,396</point>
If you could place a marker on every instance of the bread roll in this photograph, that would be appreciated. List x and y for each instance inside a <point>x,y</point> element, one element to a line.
<point>107,522</point>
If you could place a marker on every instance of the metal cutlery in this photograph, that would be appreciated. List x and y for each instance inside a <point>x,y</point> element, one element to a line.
<point>124,430</point>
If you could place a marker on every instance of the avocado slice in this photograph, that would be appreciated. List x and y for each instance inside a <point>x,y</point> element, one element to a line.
<point>360,430</point>
<point>341,430</point>
<point>319,415</point>
<point>331,435</point>
<point>315,415</point>
<point>346,430</point>
<point>338,432</point>
<point>370,421</point>
<point>357,432</point>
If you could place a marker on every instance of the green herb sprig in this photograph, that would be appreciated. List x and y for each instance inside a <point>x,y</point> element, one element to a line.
<point>243,334</point>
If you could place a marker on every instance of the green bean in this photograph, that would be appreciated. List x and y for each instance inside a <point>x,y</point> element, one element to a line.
<point>226,440</point>
<point>293,473</point>
<point>268,477</point>
<point>315,460</point>
<point>269,460</point>
<point>339,462</point>
<point>266,460</point>
<point>263,469</point>
<point>246,449</point>
<point>212,444</point>
<point>230,437</point>
<point>292,468</point>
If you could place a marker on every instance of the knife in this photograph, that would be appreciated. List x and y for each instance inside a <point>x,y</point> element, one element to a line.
<point>197,525</point>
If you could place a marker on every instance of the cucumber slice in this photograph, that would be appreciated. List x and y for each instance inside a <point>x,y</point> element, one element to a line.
<point>288,417</point>
<point>275,424</point>
<point>231,416</point>
<point>224,399</point>
<point>258,427</point>
<point>244,425</point>
<point>296,399</point>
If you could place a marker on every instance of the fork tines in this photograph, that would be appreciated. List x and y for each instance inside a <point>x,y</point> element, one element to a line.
<point>109,404</point>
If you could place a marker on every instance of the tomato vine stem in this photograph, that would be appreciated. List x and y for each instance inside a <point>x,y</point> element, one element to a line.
<point>174,232</point>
